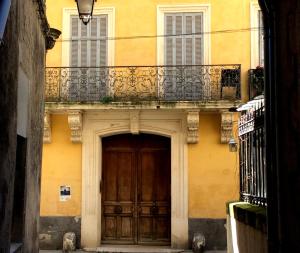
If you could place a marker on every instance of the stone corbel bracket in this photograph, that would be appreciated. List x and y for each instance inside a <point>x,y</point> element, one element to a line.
<point>75,124</point>
<point>134,122</point>
<point>192,127</point>
<point>226,127</point>
<point>47,127</point>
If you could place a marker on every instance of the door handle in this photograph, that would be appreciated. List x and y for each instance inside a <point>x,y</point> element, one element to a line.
<point>118,209</point>
<point>154,210</point>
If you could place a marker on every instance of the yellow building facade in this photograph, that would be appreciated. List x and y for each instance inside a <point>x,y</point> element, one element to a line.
<point>138,154</point>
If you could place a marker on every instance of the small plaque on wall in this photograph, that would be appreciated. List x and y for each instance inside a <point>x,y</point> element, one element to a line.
<point>65,193</point>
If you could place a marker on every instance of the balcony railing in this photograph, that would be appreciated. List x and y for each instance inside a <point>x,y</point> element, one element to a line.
<point>256,82</point>
<point>253,186</point>
<point>143,83</point>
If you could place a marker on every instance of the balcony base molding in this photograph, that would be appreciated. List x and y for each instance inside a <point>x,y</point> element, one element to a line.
<point>208,106</point>
<point>75,117</point>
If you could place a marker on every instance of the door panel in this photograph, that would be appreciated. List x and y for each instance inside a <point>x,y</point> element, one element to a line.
<point>118,196</point>
<point>136,195</point>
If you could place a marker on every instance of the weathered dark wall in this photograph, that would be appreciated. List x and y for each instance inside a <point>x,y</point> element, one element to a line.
<point>8,124</point>
<point>213,229</point>
<point>282,95</point>
<point>23,50</point>
<point>52,230</point>
<point>32,62</point>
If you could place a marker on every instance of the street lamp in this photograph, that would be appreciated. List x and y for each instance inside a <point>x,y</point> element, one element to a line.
<point>85,10</point>
<point>233,146</point>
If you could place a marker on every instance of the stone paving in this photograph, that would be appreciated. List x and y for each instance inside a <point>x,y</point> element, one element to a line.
<point>80,251</point>
<point>131,249</point>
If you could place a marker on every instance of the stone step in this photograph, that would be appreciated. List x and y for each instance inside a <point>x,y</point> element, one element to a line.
<point>137,249</point>
<point>129,250</point>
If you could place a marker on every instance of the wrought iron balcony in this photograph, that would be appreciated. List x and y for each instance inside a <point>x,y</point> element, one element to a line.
<point>256,82</point>
<point>143,83</point>
<point>253,187</point>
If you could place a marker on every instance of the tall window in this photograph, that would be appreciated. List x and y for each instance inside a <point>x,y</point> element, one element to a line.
<point>184,49</point>
<point>89,45</point>
<point>260,38</point>
<point>88,49</point>
<point>183,46</point>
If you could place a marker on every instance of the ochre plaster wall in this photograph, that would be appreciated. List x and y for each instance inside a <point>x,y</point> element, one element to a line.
<point>213,171</point>
<point>61,166</point>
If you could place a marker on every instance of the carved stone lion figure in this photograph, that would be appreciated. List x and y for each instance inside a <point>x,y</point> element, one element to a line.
<point>69,242</point>
<point>198,244</point>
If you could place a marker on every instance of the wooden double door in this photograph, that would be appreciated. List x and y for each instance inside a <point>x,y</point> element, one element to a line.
<point>136,186</point>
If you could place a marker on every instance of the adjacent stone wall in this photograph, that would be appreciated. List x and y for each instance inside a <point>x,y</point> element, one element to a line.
<point>247,228</point>
<point>52,230</point>
<point>8,123</point>
<point>213,229</point>
<point>23,52</point>
<point>32,62</point>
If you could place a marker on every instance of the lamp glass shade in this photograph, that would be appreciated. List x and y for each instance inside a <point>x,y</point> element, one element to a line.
<point>232,145</point>
<point>85,10</point>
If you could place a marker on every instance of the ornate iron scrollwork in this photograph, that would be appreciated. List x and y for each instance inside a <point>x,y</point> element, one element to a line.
<point>142,83</point>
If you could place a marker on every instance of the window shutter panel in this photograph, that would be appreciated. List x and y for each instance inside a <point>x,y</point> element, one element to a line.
<point>83,45</point>
<point>93,46</point>
<point>198,39</point>
<point>103,41</point>
<point>74,41</point>
<point>169,40</point>
<point>179,44</point>
<point>188,40</point>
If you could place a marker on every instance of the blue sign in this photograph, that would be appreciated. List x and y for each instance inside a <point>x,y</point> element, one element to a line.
<point>4,10</point>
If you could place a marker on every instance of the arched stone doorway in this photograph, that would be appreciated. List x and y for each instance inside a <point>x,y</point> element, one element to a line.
<point>136,189</point>
<point>96,127</point>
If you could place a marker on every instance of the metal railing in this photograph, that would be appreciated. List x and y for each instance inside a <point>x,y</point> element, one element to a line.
<point>256,82</point>
<point>143,83</point>
<point>252,154</point>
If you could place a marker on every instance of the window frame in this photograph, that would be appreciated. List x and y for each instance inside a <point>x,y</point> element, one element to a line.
<point>66,33</point>
<point>205,9</point>
<point>254,23</point>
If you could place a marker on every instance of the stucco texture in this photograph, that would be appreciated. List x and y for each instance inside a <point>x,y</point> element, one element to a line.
<point>61,166</point>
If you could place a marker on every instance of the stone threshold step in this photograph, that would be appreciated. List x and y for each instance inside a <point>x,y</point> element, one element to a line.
<point>136,249</point>
<point>93,251</point>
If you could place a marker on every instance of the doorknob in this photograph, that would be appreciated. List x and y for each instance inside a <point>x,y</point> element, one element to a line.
<point>154,210</point>
<point>118,209</point>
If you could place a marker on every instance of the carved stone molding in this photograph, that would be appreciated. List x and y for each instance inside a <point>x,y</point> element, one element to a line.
<point>135,122</point>
<point>226,127</point>
<point>192,127</point>
<point>75,124</point>
<point>47,127</point>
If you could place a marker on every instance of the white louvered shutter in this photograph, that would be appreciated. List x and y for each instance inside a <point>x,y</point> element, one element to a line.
<point>74,41</point>
<point>185,45</point>
<point>169,40</point>
<point>89,42</point>
<point>103,42</point>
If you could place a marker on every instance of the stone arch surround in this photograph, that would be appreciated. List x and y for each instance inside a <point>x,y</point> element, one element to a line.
<point>103,123</point>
